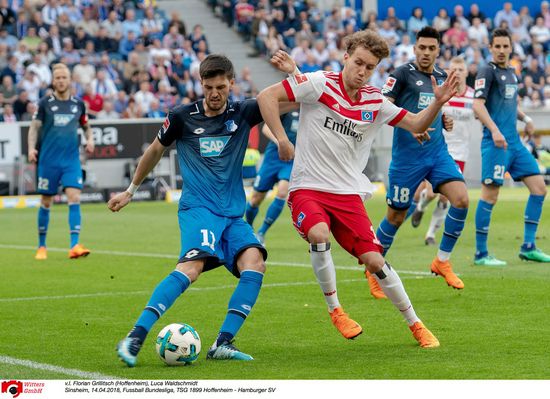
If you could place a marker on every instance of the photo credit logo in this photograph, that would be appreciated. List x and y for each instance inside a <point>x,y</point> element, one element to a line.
<point>16,388</point>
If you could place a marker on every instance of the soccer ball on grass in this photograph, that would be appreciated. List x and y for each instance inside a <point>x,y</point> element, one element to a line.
<point>178,344</point>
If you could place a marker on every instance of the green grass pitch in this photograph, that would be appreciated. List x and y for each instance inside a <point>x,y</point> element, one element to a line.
<point>71,313</point>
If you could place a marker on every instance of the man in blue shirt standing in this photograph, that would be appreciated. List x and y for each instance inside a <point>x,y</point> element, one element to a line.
<point>56,151</point>
<point>496,106</point>
<point>211,137</point>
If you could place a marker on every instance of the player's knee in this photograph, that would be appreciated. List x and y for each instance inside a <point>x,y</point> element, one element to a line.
<point>462,202</point>
<point>46,202</point>
<point>318,234</point>
<point>396,217</point>
<point>373,261</point>
<point>282,190</point>
<point>258,265</point>
<point>256,198</point>
<point>191,269</point>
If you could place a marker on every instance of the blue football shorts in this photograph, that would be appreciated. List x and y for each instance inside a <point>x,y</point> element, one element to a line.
<point>217,239</point>
<point>272,171</point>
<point>405,176</point>
<point>50,177</point>
<point>495,162</point>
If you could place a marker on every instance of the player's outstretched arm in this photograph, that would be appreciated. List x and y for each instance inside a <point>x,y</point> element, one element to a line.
<point>148,161</point>
<point>483,115</point>
<point>284,63</point>
<point>268,101</point>
<point>32,138</point>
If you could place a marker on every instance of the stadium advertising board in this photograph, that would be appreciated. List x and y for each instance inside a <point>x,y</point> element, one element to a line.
<point>10,143</point>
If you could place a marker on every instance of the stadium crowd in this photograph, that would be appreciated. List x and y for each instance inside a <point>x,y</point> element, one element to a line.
<point>128,59</point>
<point>314,37</point>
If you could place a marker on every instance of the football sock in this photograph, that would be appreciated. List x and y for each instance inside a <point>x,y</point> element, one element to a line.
<point>74,223</point>
<point>454,224</point>
<point>241,302</point>
<point>393,288</point>
<point>43,221</point>
<point>272,214</point>
<point>423,200</point>
<point>533,210</point>
<point>438,217</point>
<point>324,270</point>
<point>385,233</point>
<point>411,209</point>
<point>483,219</point>
<point>250,213</point>
<point>162,298</point>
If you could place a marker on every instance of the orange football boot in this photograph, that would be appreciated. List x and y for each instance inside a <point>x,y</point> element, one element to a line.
<point>41,254</point>
<point>375,289</point>
<point>347,327</point>
<point>77,251</point>
<point>424,336</point>
<point>445,270</point>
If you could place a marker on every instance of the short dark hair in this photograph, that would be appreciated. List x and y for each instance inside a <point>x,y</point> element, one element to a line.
<point>216,65</point>
<point>501,33</point>
<point>428,31</point>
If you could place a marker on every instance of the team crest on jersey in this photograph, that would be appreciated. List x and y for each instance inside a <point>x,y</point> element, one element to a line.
<point>440,82</point>
<point>367,116</point>
<point>480,84</point>
<point>74,109</point>
<point>213,146</point>
<point>61,120</point>
<point>510,91</point>
<point>425,99</point>
<point>300,79</point>
<point>231,126</point>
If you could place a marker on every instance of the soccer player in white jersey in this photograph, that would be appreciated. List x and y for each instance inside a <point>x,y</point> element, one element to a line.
<point>460,109</point>
<point>339,118</point>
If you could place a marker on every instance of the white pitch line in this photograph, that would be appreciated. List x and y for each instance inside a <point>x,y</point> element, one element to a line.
<point>56,369</point>
<point>157,255</point>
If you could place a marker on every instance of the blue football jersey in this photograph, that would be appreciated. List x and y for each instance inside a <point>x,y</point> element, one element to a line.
<point>499,87</point>
<point>412,90</point>
<point>210,153</point>
<point>59,141</point>
<point>290,124</point>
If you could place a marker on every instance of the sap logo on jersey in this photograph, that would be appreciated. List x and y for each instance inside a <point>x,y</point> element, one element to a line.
<point>213,146</point>
<point>425,99</point>
<point>62,119</point>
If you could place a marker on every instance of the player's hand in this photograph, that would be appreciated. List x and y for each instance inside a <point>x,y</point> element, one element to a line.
<point>286,150</point>
<point>448,123</point>
<point>530,128</point>
<point>423,136</point>
<point>447,90</point>
<point>90,146</point>
<point>33,156</point>
<point>283,62</point>
<point>499,140</point>
<point>119,201</point>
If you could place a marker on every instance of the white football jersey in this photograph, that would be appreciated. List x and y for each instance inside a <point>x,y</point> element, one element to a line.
<point>335,133</point>
<point>460,108</point>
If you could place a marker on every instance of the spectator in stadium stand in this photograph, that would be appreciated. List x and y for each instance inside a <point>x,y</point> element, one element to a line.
<point>20,104</point>
<point>113,25</point>
<point>80,38</point>
<point>22,24</point>
<point>38,23</point>
<point>54,40</point>
<point>65,27</point>
<point>144,97</point>
<point>416,22</point>
<point>245,82</point>
<point>311,64</point>
<point>156,50</point>
<point>121,102</point>
<point>69,55</point>
<point>227,12</point>
<point>132,111</point>
<point>520,33</point>
<point>151,26</point>
<point>196,36</point>
<point>131,85</point>
<point>7,115</point>
<point>334,63</point>
<point>175,20</point>
<point>4,55</point>
<point>155,111</point>
<point>104,86</point>
<point>475,13</point>
<point>41,69</point>
<point>103,42</point>
<point>389,33</point>
<point>478,31</point>
<point>102,8</point>
<point>395,22</point>
<point>74,14</point>
<point>112,72</point>
<point>442,21</point>
<point>8,39</point>
<point>31,84</point>
<point>108,111</point>
<point>84,72</point>
<point>405,47</point>
<point>94,101</point>
<point>32,40</point>
<point>178,67</point>
<point>274,41</point>
<point>118,7</point>
<point>506,14</point>
<point>333,23</point>
<point>143,54</point>
<point>173,39</point>
<point>299,54</point>
<point>166,99</point>
<point>51,11</point>
<point>47,54</point>
<point>244,13</point>
<point>540,33</point>
<point>127,44</point>
<point>8,91</point>
<point>455,37</point>
<point>8,16</point>
<point>130,24</point>
<point>30,110</point>
<point>458,15</point>
<point>536,73</point>
<point>188,54</point>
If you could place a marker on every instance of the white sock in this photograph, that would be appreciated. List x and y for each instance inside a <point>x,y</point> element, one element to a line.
<point>423,201</point>
<point>324,270</point>
<point>443,256</point>
<point>393,288</point>
<point>438,218</point>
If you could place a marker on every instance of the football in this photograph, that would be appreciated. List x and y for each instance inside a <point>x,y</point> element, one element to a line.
<point>178,344</point>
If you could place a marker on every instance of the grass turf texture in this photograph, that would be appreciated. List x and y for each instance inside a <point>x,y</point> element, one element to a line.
<point>496,328</point>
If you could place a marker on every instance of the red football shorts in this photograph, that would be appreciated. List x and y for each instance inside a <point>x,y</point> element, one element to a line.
<point>344,214</point>
<point>461,165</point>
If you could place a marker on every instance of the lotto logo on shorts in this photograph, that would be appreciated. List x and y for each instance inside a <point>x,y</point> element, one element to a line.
<point>300,219</point>
<point>300,79</point>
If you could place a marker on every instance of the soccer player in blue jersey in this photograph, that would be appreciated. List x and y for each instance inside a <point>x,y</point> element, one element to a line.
<point>54,144</point>
<point>409,87</point>
<point>211,137</point>
<point>496,106</point>
<point>273,170</point>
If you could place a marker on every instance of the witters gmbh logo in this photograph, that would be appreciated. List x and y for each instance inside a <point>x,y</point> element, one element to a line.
<point>16,388</point>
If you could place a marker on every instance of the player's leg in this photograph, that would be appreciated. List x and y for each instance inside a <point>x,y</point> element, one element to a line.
<point>265,180</point>
<point>253,206</point>
<point>275,209</point>
<point>43,222</point>
<point>245,258</point>
<point>493,168</point>
<point>313,223</point>
<point>437,220</point>
<point>425,196</point>
<point>75,221</point>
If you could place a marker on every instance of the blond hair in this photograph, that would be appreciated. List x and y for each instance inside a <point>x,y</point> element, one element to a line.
<point>59,65</point>
<point>368,39</point>
<point>458,60</point>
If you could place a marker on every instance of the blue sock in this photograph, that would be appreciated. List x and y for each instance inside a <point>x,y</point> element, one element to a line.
<point>163,297</point>
<point>241,303</point>
<point>385,233</point>
<point>533,210</point>
<point>43,221</point>
<point>74,223</point>
<point>483,219</point>
<point>411,209</point>
<point>454,224</point>
<point>250,213</point>
<point>272,214</point>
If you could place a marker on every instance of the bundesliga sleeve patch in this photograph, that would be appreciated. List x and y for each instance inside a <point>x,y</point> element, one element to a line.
<point>300,79</point>
<point>390,83</point>
<point>166,124</point>
<point>480,84</point>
